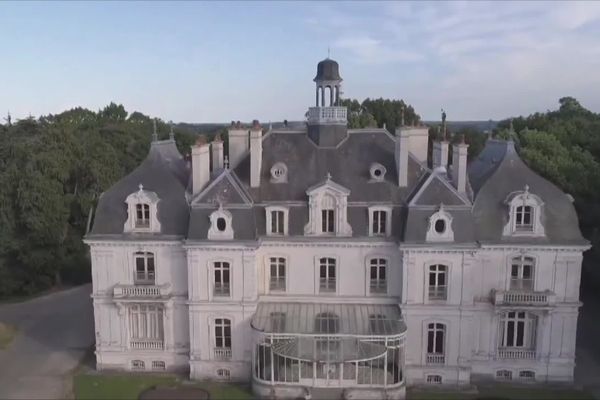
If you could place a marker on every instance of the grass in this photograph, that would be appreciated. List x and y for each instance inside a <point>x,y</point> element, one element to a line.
<point>129,386</point>
<point>503,392</point>
<point>7,334</point>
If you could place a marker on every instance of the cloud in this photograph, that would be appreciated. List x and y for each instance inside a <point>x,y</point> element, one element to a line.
<point>372,51</point>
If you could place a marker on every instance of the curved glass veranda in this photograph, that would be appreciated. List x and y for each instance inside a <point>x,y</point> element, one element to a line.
<point>328,345</point>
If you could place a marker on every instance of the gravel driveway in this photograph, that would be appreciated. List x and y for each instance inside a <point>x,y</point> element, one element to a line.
<point>54,333</point>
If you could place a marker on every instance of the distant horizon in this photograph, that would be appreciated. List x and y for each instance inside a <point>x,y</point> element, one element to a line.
<point>208,61</point>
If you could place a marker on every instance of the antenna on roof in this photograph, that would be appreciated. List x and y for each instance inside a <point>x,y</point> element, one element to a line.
<point>154,134</point>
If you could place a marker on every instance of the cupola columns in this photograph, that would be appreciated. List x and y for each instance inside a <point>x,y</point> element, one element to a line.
<point>217,153</point>
<point>401,156</point>
<point>200,165</point>
<point>459,166</point>
<point>255,154</point>
<point>238,143</point>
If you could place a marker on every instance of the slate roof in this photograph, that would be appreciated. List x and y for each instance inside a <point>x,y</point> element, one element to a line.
<point>497,172</point>
<point>164,172</point>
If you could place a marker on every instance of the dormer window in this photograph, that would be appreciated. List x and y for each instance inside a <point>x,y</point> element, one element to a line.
<point>377,172</point>
<point>220,225</point>
<point>142,215</point>
<point>380,221</point>
<point>279,173</point>
<point>327,209</point>
<point>440,227</point>
<point>525,214</point>
<point>142,212</point>
<point>277,221</point>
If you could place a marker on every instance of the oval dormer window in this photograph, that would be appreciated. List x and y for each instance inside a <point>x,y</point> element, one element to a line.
<point>221,224</point>
<point>377,172</point>
<point>279,173</point>
<point>440,226</point>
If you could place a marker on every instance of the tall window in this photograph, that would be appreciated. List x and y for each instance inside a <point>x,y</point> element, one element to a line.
<point>378,275</point>
<point>524,218</point>
<point>278,322</point>
<point>327,221</point>
<point>277,221</point>
<point>144,268</point>
<point>521,273</point>
<point>223,333</point>
<point>142,215</point>
<point>518,329</point>
<point>277,281</point>
<point>436,333</point>
<point>327,275</point>
<point>379,222</point>
<point>222,272</point>
<point>146,322</point>
<point>438,282</point>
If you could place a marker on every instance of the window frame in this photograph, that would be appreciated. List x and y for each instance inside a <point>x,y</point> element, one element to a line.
<point>221,266</point>
<point>222,323</point>
<point>269,210</point>
<point>433,328</point>
<point>519,262</point>
<point>530,323</point>
<point>146,256</point>
<point>142,215</point>
<point>279,262</point>
<point>380,288</point>
<point>324,283</point>
<point>436,289</point>
<point>372,221</point>
<point>146,321</point>
<point>516,202</point>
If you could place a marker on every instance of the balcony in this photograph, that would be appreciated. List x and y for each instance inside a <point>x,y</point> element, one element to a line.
<point>142,291</point>
<point>435,359</point>
<point>146,344</point>
<point>222,353</point>
<point>515,354</point>
<point>327,115</point>
<point>523,298</point>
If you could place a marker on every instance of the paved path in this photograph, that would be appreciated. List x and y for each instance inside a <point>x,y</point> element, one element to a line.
<point>55,331</point>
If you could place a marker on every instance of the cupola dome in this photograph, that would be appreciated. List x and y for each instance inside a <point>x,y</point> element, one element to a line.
<point>328,70</point>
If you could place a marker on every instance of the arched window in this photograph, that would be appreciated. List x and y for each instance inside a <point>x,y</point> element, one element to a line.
<point>525,210</point>
<point>440,226</point>
<point>504,375</point>
<point>220,225</point>
<point>328,214</point>
<point>521,273</point>
<point>436,334</point>
<point>518,330</point>
<point>327,322</point>
<point>144,268</point>
<point>142,215</point>
<point>524,218</point>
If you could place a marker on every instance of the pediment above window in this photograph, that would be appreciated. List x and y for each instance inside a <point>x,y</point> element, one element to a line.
<point>524,214</point>
<point>440,227</point>
<point>328,203</point>
<point>142,212</point>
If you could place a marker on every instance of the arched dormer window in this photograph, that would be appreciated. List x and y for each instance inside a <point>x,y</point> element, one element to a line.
<point>440,227</point>
<point>327,322</point>
<point>525,214</point>
<point>328,209</point>
<point>220,225</point>
<point>142,207</point>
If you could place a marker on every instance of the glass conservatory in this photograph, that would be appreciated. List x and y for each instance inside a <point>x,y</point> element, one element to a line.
<point>328,345</point>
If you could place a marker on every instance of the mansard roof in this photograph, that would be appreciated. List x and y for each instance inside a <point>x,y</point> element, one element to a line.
<point>499,171</point>
<point>163,172</point>
<point>349,165</point>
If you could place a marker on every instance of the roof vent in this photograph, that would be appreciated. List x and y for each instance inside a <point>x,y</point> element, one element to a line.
<point>377,172</point>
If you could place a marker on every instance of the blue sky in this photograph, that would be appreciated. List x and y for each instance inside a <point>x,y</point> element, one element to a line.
<point>216,62</point>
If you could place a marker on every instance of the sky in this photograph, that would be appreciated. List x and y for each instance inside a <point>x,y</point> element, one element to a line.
<point>217,62</point>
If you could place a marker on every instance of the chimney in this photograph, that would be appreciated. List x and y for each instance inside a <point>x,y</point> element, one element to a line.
<point>217,153</point>
<point>401,156</point>
<point>255,154</point>
<point>440,154</point>
<point>459,165</point>
<point>200,165</point>
<point>238,143</point>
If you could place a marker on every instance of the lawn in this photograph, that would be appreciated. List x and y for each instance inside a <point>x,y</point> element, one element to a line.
<point>129,386</point>
<point>502,392</point>
<point>7,334</point>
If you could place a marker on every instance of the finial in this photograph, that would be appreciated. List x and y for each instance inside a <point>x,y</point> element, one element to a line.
<point>154,134</point>
<point>441,208</point>
<point>171,133</point>
<point>226,162</point>
<point>402,115</point>
<point>328,176</point>
<point>526,188</point>
<point>141,187</point>
<point>328,51</point>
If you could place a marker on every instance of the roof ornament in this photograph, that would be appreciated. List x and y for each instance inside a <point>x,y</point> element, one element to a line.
<point>154,134</point>
<point>441,207</point>
<point>328,51</point>
<point>226,162</point>
<point>328,176</point>
<point>171,133</point>
<point>444,124</point>
<point>402,115</point>
<point>141,187</point>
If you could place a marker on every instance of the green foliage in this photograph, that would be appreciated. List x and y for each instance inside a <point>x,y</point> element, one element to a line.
<point>52,171</point>
<point>379,112</point>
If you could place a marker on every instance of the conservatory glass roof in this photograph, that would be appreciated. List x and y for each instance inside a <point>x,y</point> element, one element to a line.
<point>329,319</point>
